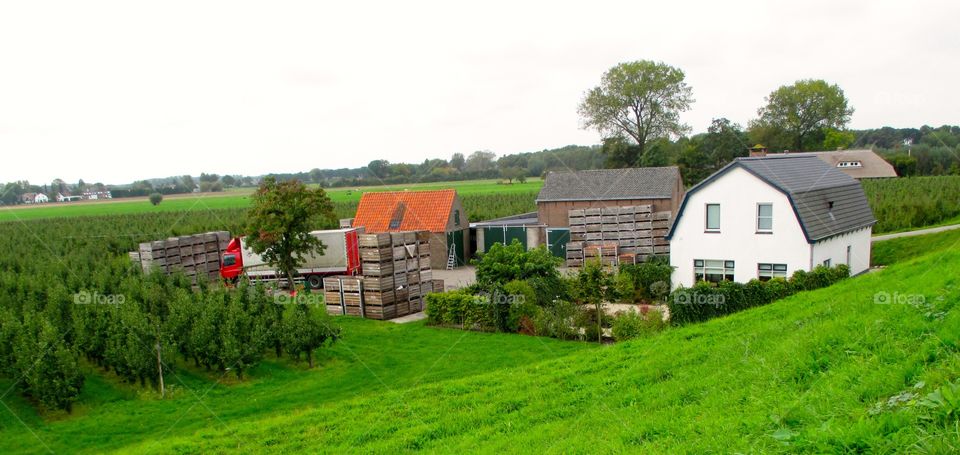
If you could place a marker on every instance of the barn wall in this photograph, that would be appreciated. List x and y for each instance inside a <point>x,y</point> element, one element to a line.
<point>556,214</point>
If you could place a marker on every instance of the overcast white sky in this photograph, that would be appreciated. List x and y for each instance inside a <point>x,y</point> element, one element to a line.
<point>119,91</point>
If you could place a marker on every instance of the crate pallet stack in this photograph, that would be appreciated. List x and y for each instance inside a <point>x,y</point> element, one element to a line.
<point>396,276</point>
<point>617,235</point>
<point>195,255</point>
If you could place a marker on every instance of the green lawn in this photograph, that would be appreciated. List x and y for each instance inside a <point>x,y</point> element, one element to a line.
<point>239,198</point>
<point>897,250</point>
<point>812,373</point>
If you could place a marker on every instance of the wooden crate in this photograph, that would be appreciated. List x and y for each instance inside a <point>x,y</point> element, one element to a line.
<point>379,297</point>
<point>423,236</point>
<point>403,308</point>
<point>426,275</point>
<point>378,283</point>
<point>374,240</point>
<point>376,254</point>
<point>334,310</point>
<point>378,268</point>
<point>438,286</point>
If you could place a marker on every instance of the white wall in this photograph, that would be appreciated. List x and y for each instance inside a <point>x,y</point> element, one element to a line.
<point>738,192</point>
<point>835,249</point>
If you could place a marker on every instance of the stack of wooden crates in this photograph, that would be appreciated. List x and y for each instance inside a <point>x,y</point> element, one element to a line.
<point>617,235</point>
<point>396,276</point>
<point>195,255</point>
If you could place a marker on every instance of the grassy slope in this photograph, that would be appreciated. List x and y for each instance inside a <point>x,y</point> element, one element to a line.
<point>797,375</point>
<point>240,198</point>
<point>373,358</point>
<point>897,250</point>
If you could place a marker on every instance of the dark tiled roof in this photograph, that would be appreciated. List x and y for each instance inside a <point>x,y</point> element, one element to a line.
<point>610,184</point>
<point>827,202</point>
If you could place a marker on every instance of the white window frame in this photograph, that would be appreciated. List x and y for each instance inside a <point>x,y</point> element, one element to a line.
<point>770,217</point>
<point>827,263</point>
<point>718,267</point>
<point>767,271</point>
<point>706,218</point>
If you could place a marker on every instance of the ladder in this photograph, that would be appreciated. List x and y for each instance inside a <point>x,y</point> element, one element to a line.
<point>452,257</point>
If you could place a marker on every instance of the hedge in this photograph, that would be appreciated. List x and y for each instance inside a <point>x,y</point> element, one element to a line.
<point>706,301</point>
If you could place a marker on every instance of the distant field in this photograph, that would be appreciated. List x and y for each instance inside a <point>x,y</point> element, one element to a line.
<point>239,198</point>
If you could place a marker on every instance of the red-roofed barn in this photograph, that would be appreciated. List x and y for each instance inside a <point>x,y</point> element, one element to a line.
<point>439,212</point>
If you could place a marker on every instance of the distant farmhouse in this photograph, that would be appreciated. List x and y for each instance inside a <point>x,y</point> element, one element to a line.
<point>766,217</point>
<point>34,198</point>
<point>85,196</point>
<point>859,164</point>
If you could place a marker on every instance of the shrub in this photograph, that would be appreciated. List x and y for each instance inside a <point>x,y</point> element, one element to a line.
<point>632,324</point>
<point>156,198</point>
<point>556,320</point>
<point>549,289</point>
<point>520,304</point>
<point>649,280</point>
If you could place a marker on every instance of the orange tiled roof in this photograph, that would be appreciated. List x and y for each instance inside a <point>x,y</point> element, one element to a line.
<point>415,210</point>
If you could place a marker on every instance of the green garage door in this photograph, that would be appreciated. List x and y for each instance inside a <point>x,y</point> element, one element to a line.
<point>503,234</point>
<point>557,239</point>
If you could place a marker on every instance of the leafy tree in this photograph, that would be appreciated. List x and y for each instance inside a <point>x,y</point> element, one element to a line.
<point>156,198</point>
<point>243,340</point>
<point>593,286</point>
<point>505,263</point>
<point>724,141</point>
<point>457,161</point>
<point>379,168</point>
<point>209,178</point>
<point>838,140</point>
<point>804,109</point>
<point>187,182</point>
<point>512,173</point>
<point>316,175</point>
<point>305,331</point>
<point>620,153</point>
<point>280,221</point>
<point>480,161</point>
<point>228,180</point>
<point>641,100</point>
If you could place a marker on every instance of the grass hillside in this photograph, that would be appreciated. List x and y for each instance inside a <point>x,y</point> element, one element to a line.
<point>825,371</point>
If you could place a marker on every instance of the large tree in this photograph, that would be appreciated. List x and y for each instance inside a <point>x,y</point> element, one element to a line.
<point>280,221</point>
<point>803,110</point>
<point>641,100</point>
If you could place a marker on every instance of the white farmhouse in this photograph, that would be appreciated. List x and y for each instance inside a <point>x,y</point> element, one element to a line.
<point>763,217</point>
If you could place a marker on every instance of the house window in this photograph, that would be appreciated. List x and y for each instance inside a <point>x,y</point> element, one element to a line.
<point>712,270</point>
<point>397,218</point>
<point>764,217</point>
<point>849,253</point>
<point>767,271</point>
<point>827,263</point>
<point>713,217</point>
<point>456,217</point>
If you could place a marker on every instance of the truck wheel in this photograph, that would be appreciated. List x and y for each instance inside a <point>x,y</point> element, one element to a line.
<point>315,281</point>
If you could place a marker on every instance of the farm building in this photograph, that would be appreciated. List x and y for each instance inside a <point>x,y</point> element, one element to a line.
<point>34,198</point>
<point>765,217</point>
<point>525,228</point>
<point>566,196</point>
<point>859,164</point>
<point>439,212</point>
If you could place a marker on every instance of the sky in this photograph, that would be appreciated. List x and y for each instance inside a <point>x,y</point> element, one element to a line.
<point>119,91</point>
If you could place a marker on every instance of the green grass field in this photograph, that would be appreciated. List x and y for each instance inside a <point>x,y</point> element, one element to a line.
<point>239,198</point>
<point>823,372</point>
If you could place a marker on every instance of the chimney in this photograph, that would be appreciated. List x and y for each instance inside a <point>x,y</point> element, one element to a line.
<point>758,150</point>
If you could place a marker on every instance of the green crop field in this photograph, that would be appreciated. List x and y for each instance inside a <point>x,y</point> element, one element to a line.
<point>825,371</point>
<point>239,198</point>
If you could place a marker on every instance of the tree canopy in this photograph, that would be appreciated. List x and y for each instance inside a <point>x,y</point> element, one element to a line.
<point>800,114</point>
<point>641,100</point>
<point>280,221</point>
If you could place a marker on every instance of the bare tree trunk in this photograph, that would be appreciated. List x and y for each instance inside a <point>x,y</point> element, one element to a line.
<point>160,371</point>
<point>599,325</point>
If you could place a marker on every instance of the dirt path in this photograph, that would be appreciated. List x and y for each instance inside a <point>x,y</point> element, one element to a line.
<point>933,230</point>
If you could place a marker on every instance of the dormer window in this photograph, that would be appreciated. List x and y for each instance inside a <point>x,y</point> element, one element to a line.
<point>846,164</point>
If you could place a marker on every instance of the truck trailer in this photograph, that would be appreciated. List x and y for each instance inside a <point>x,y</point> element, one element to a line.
<point>341,256</point>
